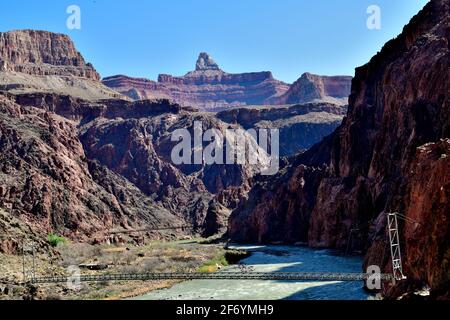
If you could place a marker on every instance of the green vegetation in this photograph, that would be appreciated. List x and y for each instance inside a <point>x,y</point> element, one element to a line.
<point>184,256</point>
<point>213,264</point>
<point>55,240</point>
<point>223,259</point>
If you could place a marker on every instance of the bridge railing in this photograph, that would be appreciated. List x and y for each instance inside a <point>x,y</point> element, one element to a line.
<point>275,276</point>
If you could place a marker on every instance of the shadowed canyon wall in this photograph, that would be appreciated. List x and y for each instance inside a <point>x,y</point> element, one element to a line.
<point>391,154</point>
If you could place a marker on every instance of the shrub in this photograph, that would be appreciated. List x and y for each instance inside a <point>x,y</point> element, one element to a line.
<point>55,240</point>
<point>211,265</point>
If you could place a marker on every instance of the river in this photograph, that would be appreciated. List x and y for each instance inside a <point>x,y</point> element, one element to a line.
<point>274,259</point>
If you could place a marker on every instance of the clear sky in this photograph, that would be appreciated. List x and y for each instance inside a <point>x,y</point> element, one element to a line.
<point>288,37</point>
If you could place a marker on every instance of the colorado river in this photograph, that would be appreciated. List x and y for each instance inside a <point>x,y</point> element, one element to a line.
<point>274,259</point>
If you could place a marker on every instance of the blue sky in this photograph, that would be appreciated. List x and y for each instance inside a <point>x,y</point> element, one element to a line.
<point>288,37</point>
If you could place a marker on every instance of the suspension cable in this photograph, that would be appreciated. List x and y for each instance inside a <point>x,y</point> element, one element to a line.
<point>407,219</point>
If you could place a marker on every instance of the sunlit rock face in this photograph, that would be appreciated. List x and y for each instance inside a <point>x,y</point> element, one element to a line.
<point>42,53</point>
<point>33,61</point>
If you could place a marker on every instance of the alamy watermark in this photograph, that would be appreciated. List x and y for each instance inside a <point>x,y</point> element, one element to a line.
<point>374,20</point>
<point>74,20</point>
<point>234,146</point>
<point>373,281</point>
<point>74,278</point>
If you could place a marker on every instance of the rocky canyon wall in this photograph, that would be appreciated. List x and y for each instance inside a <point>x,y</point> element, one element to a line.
<point>42,53</point>
<point>391,154</point>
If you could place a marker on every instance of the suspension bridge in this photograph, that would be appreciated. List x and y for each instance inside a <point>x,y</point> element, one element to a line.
<point>274,276</point>
<point>397,270</point>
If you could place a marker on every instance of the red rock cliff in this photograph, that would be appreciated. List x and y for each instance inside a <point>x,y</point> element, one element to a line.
<point>42,53</point>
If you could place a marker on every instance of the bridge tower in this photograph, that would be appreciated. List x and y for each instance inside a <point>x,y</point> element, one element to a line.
<point>394,239</point>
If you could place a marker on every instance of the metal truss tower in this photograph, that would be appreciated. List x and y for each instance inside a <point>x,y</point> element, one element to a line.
<point>394,239</point>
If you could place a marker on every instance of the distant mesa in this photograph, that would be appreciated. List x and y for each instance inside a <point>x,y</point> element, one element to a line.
<point>311,87</point>
<point>210,88</point>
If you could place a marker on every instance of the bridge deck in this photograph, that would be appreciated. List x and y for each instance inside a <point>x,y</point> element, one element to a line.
<point>280,276</point>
